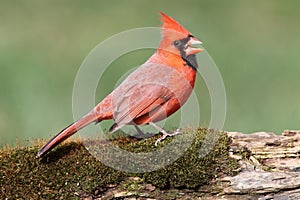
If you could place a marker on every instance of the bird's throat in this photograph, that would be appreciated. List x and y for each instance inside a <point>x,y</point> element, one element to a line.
<point>191,61</point>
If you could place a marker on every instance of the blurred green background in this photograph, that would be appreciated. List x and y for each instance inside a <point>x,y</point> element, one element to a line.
<point>255,44</point>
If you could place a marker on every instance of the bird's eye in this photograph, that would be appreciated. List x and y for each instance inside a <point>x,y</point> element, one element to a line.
<point>176,42</point>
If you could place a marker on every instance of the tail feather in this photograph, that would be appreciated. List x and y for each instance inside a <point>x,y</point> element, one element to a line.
<point>67,132</point>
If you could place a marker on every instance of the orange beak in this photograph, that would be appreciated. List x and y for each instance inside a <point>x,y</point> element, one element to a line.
<point>190,47</point>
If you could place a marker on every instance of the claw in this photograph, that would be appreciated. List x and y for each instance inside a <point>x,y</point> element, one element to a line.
<point>165,134</point>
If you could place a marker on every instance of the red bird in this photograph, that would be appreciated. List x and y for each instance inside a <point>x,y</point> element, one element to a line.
<point>151,93</point>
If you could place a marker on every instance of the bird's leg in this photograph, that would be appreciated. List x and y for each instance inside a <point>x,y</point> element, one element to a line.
<point>165,133</point>
<point>139,131</point>
<point>141,134</point>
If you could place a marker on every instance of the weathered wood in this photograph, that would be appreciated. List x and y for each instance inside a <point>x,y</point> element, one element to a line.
<point>270,165</point>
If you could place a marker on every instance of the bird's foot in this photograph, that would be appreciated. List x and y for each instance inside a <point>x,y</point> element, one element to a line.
<point>166,134</point>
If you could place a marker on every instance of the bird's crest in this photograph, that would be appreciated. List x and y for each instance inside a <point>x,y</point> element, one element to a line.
<point>170,24</point>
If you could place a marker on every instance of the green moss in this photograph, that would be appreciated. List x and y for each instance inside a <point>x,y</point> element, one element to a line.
<point>191,170</point>
<point>71,169</point>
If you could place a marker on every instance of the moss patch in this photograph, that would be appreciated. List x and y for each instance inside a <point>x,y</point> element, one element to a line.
<point>70,170</point>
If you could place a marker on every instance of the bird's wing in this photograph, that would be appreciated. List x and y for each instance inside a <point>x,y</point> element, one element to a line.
<point>139,103</point>
<point>139,95</point>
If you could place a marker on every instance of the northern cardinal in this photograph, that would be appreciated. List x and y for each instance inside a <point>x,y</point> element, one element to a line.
<point>152,92</point>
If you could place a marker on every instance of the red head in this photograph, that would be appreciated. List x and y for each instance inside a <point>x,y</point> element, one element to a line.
<point>176,39</point>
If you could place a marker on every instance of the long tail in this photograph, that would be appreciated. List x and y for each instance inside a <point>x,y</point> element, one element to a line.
<point>68,131</point>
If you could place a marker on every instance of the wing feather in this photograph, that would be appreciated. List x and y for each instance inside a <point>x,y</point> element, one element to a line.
<point>143,91</point>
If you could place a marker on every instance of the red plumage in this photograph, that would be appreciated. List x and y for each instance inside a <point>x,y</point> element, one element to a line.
<point>154,91</point>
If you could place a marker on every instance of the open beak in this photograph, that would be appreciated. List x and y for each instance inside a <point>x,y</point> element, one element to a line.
<point>192,46</point>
